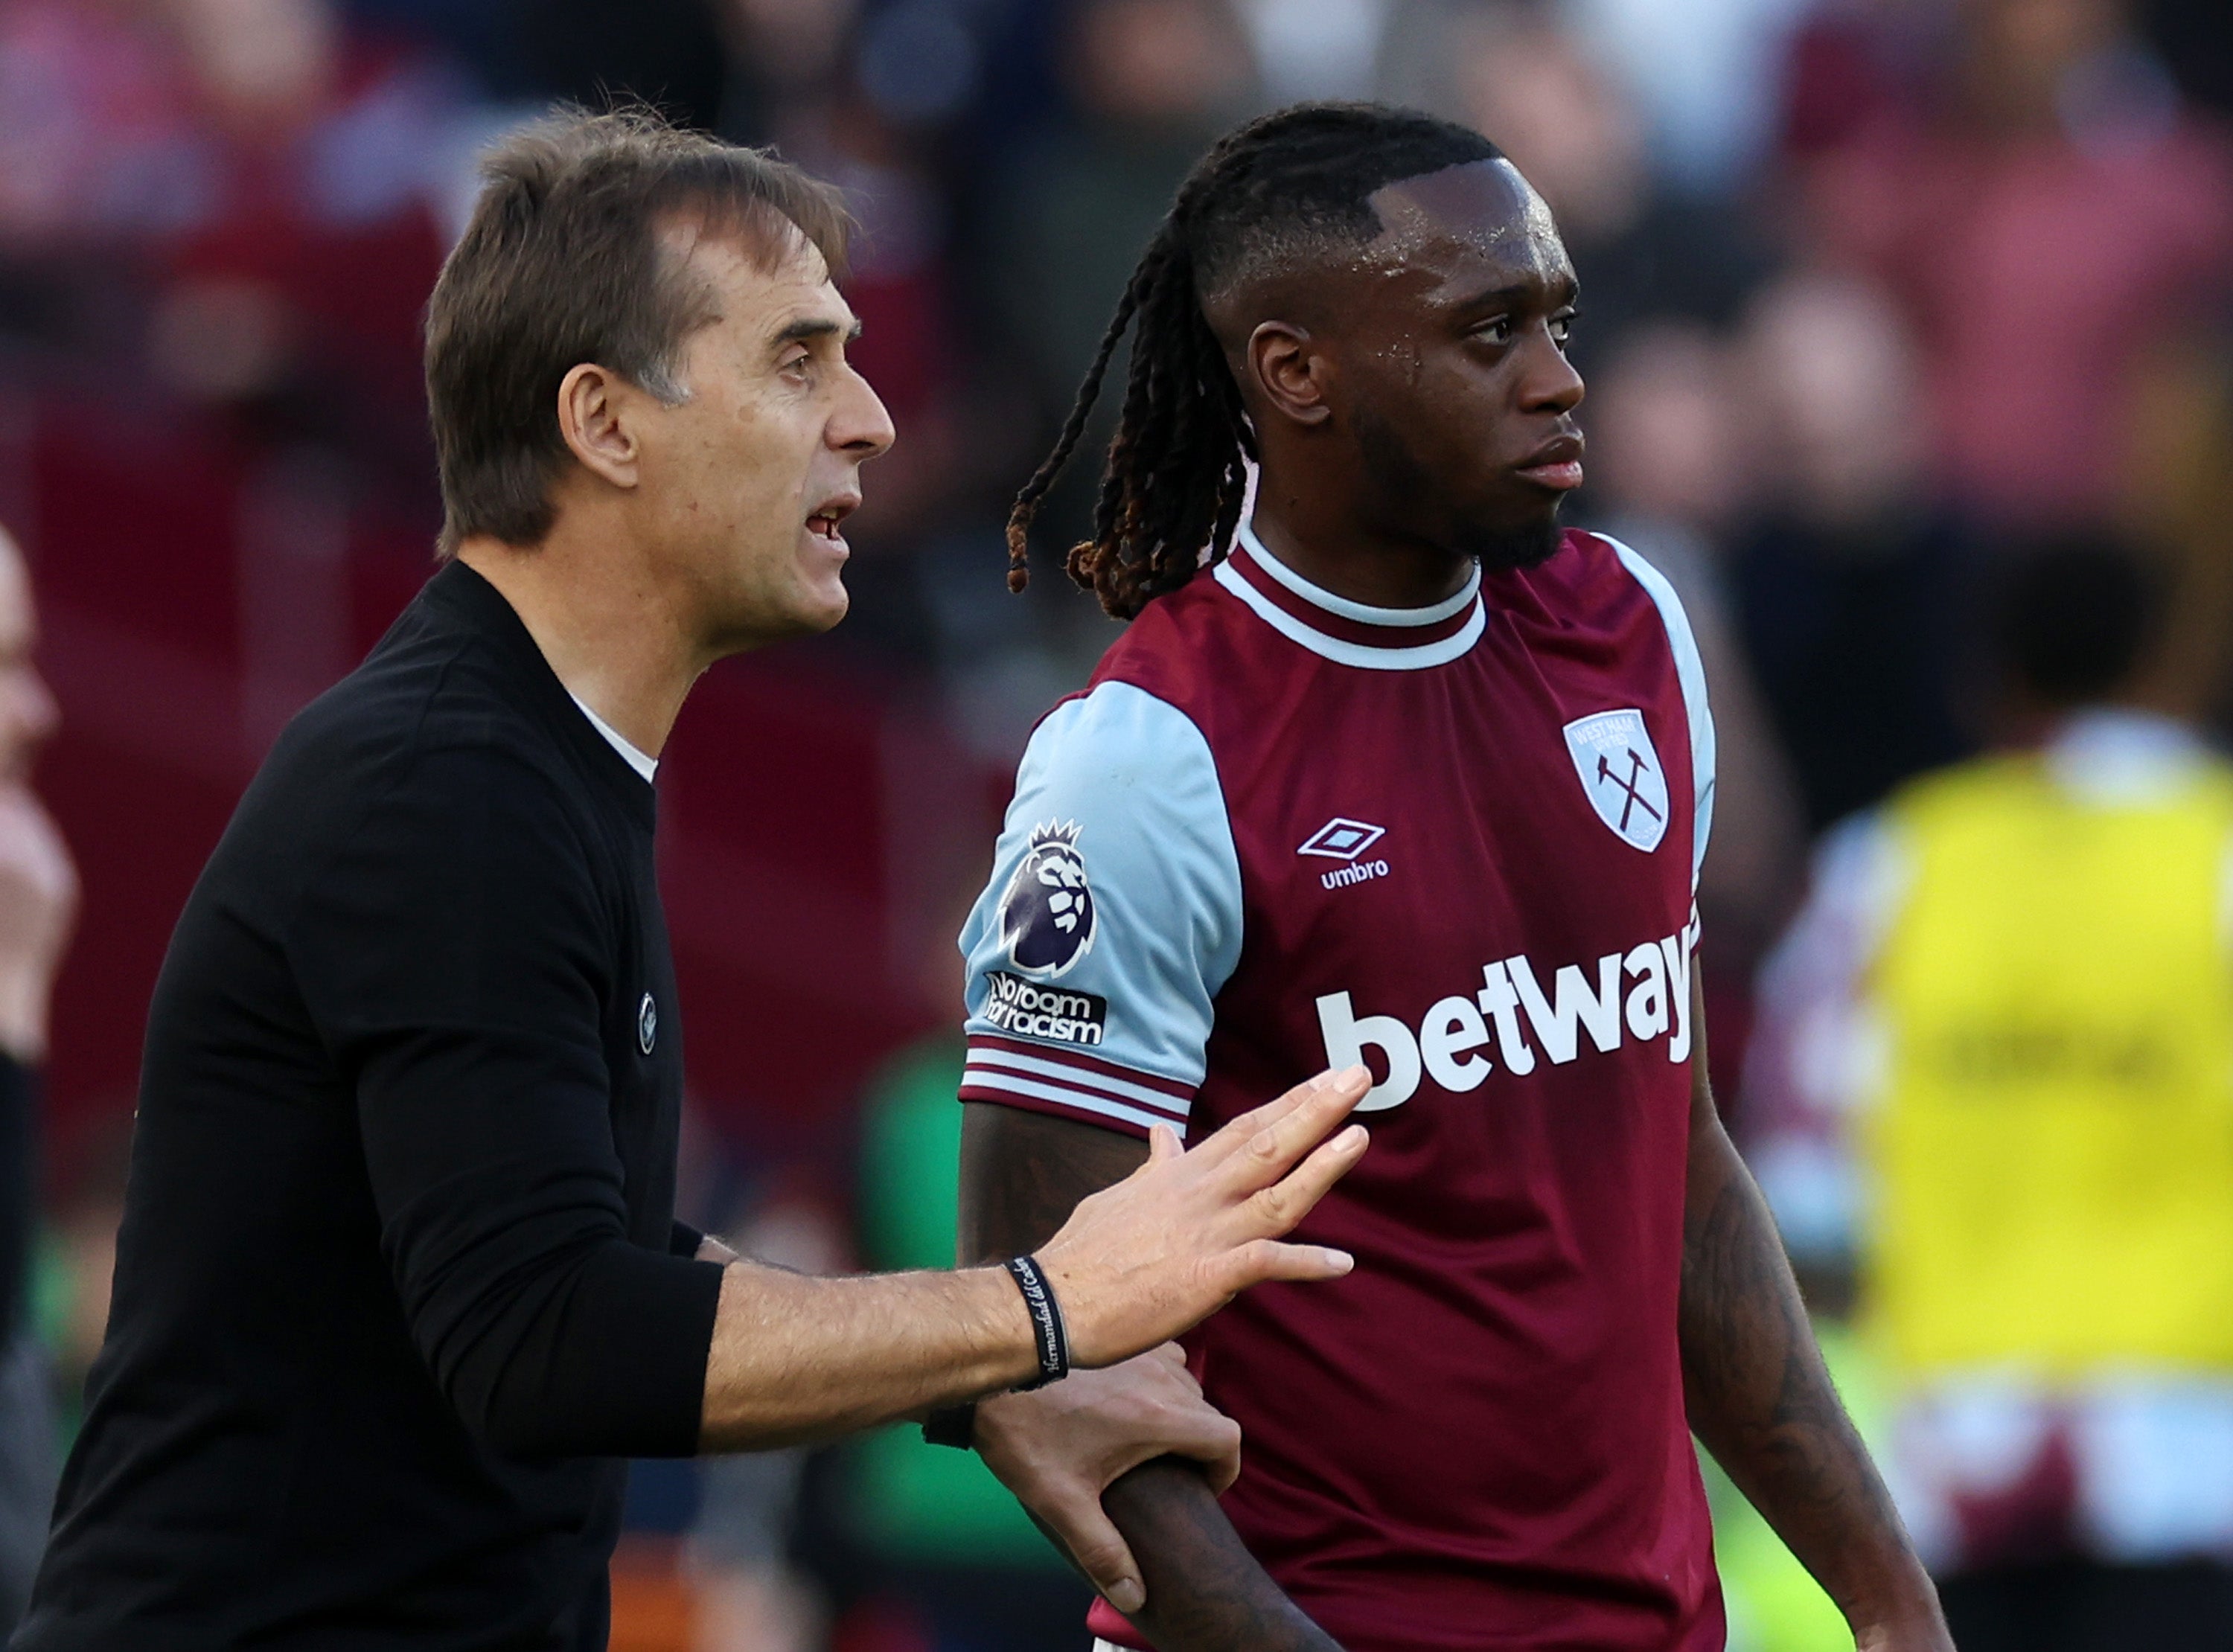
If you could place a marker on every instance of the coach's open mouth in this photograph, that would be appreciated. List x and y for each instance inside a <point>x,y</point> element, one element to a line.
<point>823,524</point>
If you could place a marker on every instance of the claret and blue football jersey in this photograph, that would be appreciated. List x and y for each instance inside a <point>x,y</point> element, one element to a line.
<point>1281,831</point>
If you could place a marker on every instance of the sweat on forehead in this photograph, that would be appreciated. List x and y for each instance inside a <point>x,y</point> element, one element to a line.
<point>1478,207</point>
<point>1485,202</point>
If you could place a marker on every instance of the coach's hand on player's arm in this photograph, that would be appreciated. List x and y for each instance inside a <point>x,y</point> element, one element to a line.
<point>1059,1448</point>
<point>1138,1263</point>
<point>795,1358</point>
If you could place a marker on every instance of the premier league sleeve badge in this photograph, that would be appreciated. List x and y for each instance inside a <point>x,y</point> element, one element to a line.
<point>1047,918</point>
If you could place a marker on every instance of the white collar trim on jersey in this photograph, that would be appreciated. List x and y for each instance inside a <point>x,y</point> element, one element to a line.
<point>1363,612</point>
<point>1338,649</point>
<point>644,766</point>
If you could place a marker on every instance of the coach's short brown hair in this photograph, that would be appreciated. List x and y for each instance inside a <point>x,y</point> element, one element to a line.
<point>561,265</point>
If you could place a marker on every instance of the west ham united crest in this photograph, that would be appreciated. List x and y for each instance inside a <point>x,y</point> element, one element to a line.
<point>1046,912</point>
<point>1620,770</point>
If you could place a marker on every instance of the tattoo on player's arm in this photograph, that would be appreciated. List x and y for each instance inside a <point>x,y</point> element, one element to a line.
<point>1022,1174</point>
<point>1757,1391</point>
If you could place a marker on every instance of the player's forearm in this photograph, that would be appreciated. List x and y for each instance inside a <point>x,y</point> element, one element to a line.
<point>1760,1398</point>
<point>1206,1592</point>
<point>1022,1174</point>
<point>797,1358</point>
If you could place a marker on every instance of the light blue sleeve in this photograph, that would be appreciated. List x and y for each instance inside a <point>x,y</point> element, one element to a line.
<point>1111,922</point>
<point>1690,673</point>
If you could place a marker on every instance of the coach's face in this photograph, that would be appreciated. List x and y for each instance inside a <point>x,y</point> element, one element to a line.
<point>749,478</point>
<point>1451,359</point>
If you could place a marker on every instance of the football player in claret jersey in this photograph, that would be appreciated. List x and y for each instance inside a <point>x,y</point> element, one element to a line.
<point>1392,768</point>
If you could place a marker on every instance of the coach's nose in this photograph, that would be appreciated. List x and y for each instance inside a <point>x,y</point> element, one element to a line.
<point>860,427</point>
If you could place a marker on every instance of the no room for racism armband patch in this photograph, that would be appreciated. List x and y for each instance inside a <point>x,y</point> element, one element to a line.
<point>1031,1010</point>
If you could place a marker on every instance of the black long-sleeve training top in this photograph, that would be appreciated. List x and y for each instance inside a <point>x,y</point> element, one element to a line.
<point>399,1283</point>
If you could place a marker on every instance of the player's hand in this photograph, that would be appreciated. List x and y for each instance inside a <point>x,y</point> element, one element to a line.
<point>38,905</point>
<point>1174,1241</point>
<point>1057,1448</point>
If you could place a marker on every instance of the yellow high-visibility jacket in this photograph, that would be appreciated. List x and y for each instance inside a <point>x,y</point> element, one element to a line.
<point>2051,1149</point>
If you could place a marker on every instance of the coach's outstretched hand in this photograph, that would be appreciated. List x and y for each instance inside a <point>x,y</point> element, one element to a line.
<point>795,1358</point>
<point>1140,1261</point>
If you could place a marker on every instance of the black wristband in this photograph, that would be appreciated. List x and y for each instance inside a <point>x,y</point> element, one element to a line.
<point>952,1425</point>
<point>1047,1321</point>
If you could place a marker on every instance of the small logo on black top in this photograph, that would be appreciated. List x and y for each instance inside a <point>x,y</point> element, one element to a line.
<point>647,1024</point>
<point>1047,913</point>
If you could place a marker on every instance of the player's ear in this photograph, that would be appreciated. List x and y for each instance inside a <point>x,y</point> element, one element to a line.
<point>1289,371</point>
<point>597,410</point>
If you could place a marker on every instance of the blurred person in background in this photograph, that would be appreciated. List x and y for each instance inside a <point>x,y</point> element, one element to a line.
<point>787,62</point>
<point>825,85</point>
<point>288,300</point>
<point>1149,83</point>
<point>1673,465</point>
<point>1648,249</point>
<point>746,1593</point>
<point>38,899</point>
<point>85,1207</point>
<point>1705,71</point>
<point>1153,80</point>
<point>944,1537</point>
<point>236,204</point>
<point>1996,1069</point>
<point>1847,573</point>
<point>2052,187</point>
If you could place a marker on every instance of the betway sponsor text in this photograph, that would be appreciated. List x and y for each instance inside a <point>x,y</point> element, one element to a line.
<point>1643,993</point>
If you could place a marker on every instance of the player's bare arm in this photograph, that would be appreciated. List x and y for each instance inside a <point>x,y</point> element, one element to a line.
<point>798,1358</point>
<point>1022,1173</point>
<point>1760,1398</point>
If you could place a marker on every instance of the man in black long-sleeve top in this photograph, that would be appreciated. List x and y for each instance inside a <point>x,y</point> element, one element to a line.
<point>398,1226</point>
<point>398,1284</point>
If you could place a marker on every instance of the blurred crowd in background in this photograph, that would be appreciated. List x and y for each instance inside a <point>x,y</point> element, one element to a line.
<point>1897,316</point>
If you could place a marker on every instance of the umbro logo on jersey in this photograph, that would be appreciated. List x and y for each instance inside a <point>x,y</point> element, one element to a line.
<point>1341,839</point>
<point>1620,770</point>
<point>1047,918</point>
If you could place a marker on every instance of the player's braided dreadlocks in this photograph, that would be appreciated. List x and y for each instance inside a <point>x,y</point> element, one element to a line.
<point>1287,182</point>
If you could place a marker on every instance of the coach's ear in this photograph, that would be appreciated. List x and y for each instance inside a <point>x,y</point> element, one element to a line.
<point>597,411</point>
<point>1290,372</point>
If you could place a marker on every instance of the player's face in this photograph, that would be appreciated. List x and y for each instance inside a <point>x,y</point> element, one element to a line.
<point>1452,348</point>
<point>754,473</point>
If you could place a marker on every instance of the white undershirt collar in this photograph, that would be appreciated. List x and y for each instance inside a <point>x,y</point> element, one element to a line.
<point>1395,623</point>
<point>1363,612</point>
<point>645,766</point>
